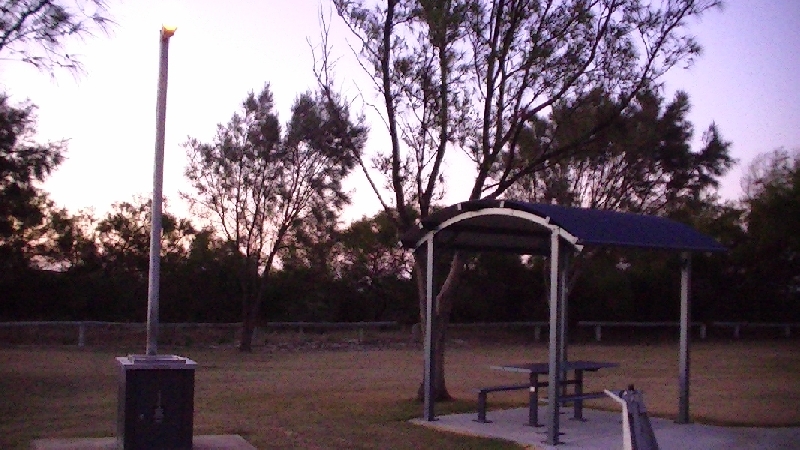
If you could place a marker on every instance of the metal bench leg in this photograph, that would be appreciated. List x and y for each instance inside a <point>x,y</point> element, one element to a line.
<point>482,407</point>
<point>578,404</point>
<point>533,402</point>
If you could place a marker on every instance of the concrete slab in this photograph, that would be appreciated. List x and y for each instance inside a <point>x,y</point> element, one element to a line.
<point>207,442</point>
<point>602,430</point>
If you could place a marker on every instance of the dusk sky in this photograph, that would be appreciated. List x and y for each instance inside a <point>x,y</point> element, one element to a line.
<point>746,81</point>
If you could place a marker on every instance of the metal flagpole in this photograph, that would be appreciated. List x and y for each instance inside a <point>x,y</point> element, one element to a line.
<point>158,181</point>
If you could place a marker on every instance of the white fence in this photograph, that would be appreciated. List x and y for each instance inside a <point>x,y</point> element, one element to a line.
<point>703,328</point>
<point>80,327</point>
<point>737,327</point>
<point>598,326</point>
<point>537,326</point>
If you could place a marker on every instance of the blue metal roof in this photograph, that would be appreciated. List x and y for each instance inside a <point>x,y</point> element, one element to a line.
<point>590,227</point>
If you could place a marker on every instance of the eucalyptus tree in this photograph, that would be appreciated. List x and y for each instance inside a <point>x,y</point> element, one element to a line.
<point>257,184</point>
<point>471,75</point>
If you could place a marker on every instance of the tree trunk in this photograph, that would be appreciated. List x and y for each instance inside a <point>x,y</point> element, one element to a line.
<point>439,384</point>
<point>251,309</point>
<point>248,325</point>
<point>443,304</point>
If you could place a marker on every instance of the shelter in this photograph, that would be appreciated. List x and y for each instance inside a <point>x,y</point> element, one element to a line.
<point>540,229</point>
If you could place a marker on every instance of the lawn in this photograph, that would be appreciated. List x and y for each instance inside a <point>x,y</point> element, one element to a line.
<point>362,397</point>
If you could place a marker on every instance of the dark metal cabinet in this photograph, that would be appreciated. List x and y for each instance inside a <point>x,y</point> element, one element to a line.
<point>156,402</point>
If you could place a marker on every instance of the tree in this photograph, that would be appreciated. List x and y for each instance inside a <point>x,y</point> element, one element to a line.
<point>256,185</point>
<point>117,281</point>
<point>770,255</point>
<point>310,245</point>
<point>371,261</point>
<point>471,75</point>
<point>123,238</point>
<point>23,164</point>
<point>499,287</point>
<point>34,31</point>
<point>202,286</point>
<point>642,163</point>
<point>717,292</point>
<point>64,241</point>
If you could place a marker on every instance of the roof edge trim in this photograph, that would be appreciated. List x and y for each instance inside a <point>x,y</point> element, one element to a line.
<point>502,211</point>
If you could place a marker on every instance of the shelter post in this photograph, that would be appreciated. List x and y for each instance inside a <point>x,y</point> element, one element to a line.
<point>683,360</point>
<point>562,297</point>
<point>429,386</point>
<point>554,370</point>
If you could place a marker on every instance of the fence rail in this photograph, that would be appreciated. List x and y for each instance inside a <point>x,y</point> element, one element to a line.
<point>737,326</point>
<point>537,326</point>
<point>598,326</point>
<point>82,326</point>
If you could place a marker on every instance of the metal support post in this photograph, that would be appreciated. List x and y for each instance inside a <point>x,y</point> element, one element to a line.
<point>429,387</point>
<point>554,370</point>
<point>563,264</point>
<point>683,360</point>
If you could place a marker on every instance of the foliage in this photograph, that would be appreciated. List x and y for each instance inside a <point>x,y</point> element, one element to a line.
<point>771,254</point>
<point>499,287</point>
<point>370,245</point>
<point>472,75</point>
<point>124,237</point>
<point>642,163</point>
<point>23,164</point>
<point>377,269</point>
<point>35,31</point>
<point>257,185</point>
<point>552,101</point>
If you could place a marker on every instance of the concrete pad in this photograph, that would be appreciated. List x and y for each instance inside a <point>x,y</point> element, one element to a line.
<point>208,442</point>
<point>602,430</point>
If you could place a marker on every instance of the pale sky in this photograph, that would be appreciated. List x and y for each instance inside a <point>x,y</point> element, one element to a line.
<point>746,81</point>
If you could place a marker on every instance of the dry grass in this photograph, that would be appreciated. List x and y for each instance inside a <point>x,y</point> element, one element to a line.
<point>363,398</point>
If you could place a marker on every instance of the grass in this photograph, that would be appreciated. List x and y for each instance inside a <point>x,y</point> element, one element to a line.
<point>363,398</point>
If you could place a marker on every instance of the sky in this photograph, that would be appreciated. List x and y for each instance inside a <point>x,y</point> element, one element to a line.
<point>746,81</point>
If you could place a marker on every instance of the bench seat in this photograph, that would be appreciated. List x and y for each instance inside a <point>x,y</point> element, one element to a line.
<point>482,392</point>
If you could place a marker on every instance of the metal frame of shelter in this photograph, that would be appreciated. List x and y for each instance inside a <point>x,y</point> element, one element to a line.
<point>539,229</point>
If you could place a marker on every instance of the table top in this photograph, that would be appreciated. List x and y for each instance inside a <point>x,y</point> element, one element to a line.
<point>542,368</point>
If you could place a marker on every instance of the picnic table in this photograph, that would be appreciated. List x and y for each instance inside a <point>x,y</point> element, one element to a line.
<point>534,370</point>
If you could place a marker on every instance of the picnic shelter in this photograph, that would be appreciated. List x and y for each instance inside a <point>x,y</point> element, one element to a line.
<point>558,231</point>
